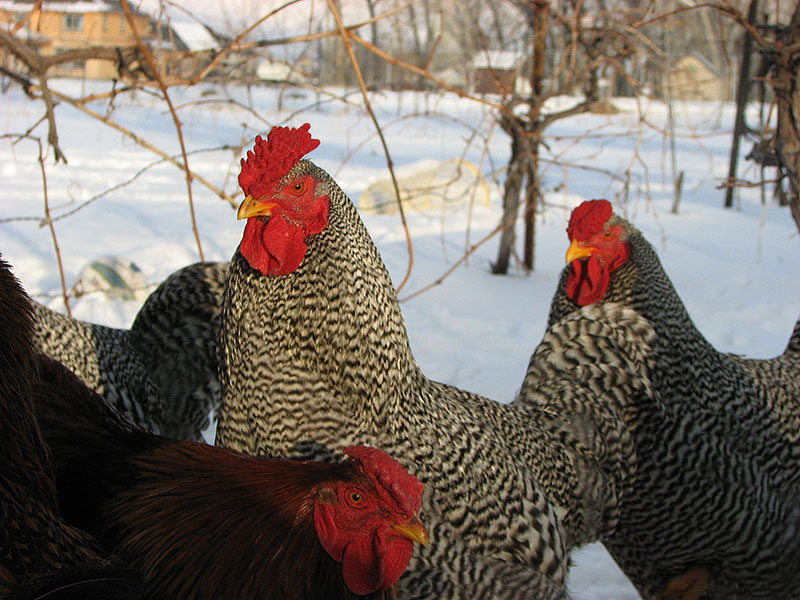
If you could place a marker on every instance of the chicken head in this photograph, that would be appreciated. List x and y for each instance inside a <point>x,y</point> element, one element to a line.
<point>283,206</point>
<point>597,248</point>
<point>369,524</point>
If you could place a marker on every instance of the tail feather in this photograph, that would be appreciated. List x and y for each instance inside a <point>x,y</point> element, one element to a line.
<point>175,336</point>
<point>90,582</point>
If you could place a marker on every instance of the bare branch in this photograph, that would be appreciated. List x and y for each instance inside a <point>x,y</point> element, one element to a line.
<point>345,38</point>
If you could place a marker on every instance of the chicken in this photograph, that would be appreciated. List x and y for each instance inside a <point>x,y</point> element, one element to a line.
<point>162,372</point>
<point>314,356</point>
<point>40,555</point>
<point>204,522</point>
<point>716,501</point>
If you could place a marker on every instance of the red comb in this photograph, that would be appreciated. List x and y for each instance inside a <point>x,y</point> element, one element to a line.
<point>384,469</point>
<point>588,218</point>
<point>274,157</point>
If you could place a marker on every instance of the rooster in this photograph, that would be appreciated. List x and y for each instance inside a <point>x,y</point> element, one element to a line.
<point>203,522</point>
<point>314,356</point>
<point>40,555</point>
<point>716,503</point>
<point>162,372</point>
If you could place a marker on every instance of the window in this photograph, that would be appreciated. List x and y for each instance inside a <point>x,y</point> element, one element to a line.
<point>105,21</point>
<point>73,22</point>
<point>122,25</point>
<point>74,65</point>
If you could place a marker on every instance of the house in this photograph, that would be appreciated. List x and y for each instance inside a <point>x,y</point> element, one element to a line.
<point>496,71</point>
<point>694,78</point>
<point>69,24</point>
<point>185,49</point>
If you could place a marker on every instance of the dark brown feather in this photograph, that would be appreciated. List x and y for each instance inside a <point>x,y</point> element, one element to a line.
<point>198,520</point>
<point>39,553</point>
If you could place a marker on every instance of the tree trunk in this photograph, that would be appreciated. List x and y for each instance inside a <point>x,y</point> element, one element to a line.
<point>742,92</point>
<point>532,194</point>
<point>787,95</point>
<point>524,151</point>
<point>511,189</point>
<point>536,19</point>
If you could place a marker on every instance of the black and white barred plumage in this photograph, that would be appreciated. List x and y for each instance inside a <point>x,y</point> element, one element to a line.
<point>591,374</point>
<point>717,452</point>
<point>162,372</point>
<point>319,359</point>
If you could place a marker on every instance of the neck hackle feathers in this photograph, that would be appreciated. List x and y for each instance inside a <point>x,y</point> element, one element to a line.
<point>272,158</point>
<point>588,218</point>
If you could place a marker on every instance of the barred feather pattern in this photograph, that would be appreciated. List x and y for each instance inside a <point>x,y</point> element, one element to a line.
<point>319,359</point>
<point>718,458</point>
<point>590,375</point>
<point>162,372</point>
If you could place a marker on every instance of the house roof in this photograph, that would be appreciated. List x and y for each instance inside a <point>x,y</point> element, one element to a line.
<point>195,36</point>
<point>703,60</point>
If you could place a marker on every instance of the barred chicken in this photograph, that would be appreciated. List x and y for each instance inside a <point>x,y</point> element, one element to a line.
<point>41,556</point>
<point>716,501</point>
<point>162,372</point>
<point>202,522</point>
<point>314,356</point>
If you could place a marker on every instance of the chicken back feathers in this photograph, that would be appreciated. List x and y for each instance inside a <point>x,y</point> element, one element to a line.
<point>162,372</point>
<point>205,522</point>
<point>718,454</point>
<point>40,554</point>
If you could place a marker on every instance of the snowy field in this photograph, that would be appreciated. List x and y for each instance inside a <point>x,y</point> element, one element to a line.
<point>736,270</point>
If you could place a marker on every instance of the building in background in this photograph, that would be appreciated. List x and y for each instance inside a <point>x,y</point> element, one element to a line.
<point>69,24</point>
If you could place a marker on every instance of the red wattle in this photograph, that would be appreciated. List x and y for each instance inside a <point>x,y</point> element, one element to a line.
<point>273,247</point>
<point>588,281</point>
<point>395,561</point>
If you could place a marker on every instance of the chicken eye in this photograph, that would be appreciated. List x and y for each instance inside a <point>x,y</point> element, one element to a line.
<point>298,188</point>
<point>355,498</point>
<point>608,233</point>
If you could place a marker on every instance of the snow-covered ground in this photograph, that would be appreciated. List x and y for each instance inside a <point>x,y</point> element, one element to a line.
<point>736,270</point>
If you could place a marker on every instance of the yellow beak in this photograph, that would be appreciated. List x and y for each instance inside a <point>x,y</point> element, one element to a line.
<point>250,207</point>
<point>576,251</point>
<point>413,530</point>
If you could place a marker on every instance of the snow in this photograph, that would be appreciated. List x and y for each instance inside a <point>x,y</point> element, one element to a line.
<point>736,270</point>
<point>195,36</point>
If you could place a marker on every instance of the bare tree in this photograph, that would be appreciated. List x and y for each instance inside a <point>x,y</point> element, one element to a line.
<point>570,48</point>
<point>779,45</point>
<point>784,80</point>
<point>596,43</point>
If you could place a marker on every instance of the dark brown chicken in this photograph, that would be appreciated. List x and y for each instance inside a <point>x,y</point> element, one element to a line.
<point>716,500</point>
<point>202,522</point>
<point>40,554</point>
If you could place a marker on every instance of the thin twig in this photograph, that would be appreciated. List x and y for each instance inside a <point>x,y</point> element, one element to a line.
<point>470,251</point>
<point>157,75</point>
<point>49,222</point>
<point>423,73</point>
<point>349,47</point>
<point>234,43</point>
<point>145,144</point>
